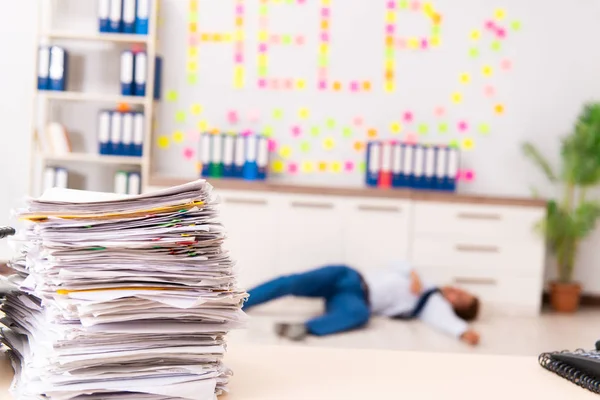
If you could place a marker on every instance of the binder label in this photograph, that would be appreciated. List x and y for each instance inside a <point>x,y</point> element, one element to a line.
<point>419,161</point>
<point>138,129</point>
<point>263,152</point>
<point>127,128</point>
<point>397,159</point>
<point>44,62</point>
<point>251,144</point>
<point>126,67</point>
<point>375,158</point>
<point>141,68</point>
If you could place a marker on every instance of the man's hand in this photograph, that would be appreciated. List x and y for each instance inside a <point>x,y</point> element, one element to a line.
<point>416,286</point>
<point>470,337</point>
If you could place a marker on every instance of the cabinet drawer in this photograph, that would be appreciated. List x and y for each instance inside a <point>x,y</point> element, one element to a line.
<point>516,257</point>
<point>482,221</point>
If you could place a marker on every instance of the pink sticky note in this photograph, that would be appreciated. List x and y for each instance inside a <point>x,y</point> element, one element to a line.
<point>415,6</point>
<point>469,175</point>
<point>349,166</point>
<point>506,65</point>
<point>325,12</point>
<point>489,91</point>
<point>137,48</point>
<point>358,121</point>
<point>263,22</point>
<point>193,41</point>
<point>275,39</point>
<point>322,85</point>
<point>401,44</point>
<point>262,48</point>
<point>296,131</point>
<point>239,47</point>
<point>193,136</point>
<point>424,43</point>
<point>239,59</point>
<point>391,5</point>
<point>289,84</point>
<point>232,117</point>
<point>301,1</point>
<point>188,153</point>
<point>501,33</point>
<point>293,168</point>
<point>262,83</point>
<point>274,84</point>
<point>490,25</point>
<point>411,138</point>
<point>239,9</point>
<point>440,111</point>
<point>463,126</point>
<point>324,37</point>
<point>253,116</point>
<point>390,29</point>
<point>247,133</point>
<point>322,74</point>
<point>354,86</point>
<point>408,116</point>
<point>272,145</point>
<point>299,40</point>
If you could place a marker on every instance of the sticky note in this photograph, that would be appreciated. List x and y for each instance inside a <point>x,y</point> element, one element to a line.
<point>390,87</point>
<point>192,52</point>
<point>305,146</point>
<point>489,91</point>
<point>358,121</point>
<point>463,126</point>
<point>285,152</point>
<point>349,166</point>
<point>300,84</point>
<point>193,136</point>
<point>330,123</point>
<point>403,4</point>
<point>457,97</point>
<point>347,132</point>
<point>395,127</point>
<point>408,116</point>
<point>315,130</point>
<point>372,133</point>
<point>180,116</point>
<point>172,95</point>
<point>278,166</point>
<point>484,129</point>
<point>469,175</point>
<point>499,109</point>
<point>232,117</point>
<point>277,113</point>
<point>499,14</point>
<point>328,143</point>
<point>272,145</point>
<point>475,35</point>
<point>336,167</point>
<point>366,86</point>
<point>299,40</point>
<point>423,129</point>
<point>267,131</point>
<point>465,78</point>
<point>467,144</point>
<point>440,111</point>
<point>189,153</point>
<point>411,138</point>
<point>506,65</point>
<point>192,66</point>
<point>473,52</point>
<point>253,116</point>
<point>443,127</point>
<point>307,167</point>
<point>196,109</point>
<point>203,125</point>
<point>337,86</point>
<point>322,166</point>
<point>496,45</point>
<point>292,168</point>
<point>178,136</point>
<point>358,146</point>
<point>487,70</point>
<point>163,142</point>
<point>192,79</point>
<point>515,25</point>
<point>296,130</point>
<point>303,113</point>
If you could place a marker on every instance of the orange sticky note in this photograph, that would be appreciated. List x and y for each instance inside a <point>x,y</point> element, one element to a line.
<point>372,133</point>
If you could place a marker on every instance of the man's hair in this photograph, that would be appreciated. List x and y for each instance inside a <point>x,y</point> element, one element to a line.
<point>470,312</point>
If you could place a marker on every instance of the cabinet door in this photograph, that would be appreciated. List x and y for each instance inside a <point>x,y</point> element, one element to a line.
<point>376,232</point>
<point>309,233</point>
<point>249,220</point>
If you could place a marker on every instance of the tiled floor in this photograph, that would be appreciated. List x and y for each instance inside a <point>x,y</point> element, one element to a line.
<point>500,334</point>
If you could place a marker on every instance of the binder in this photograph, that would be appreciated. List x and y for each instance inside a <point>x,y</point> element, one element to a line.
<point>127,148</point>
<point>451,170</point>
<point>129,12</point>
<point>138,134</point>
<point>134,183</point>
<point>397,165</point>
<point>58,138</point>
<point>104,121</point>
<point>142,16</point>
<point>216,156</point>
<point>61,179</point>
<point>373,163</point>
<point>408,164</point>
<point>418,176</point>
<point>262,160</point>
<point>121,180</point>
<point>250,172</point>
<point>127,73</point>
<point>228,155</point>
<point>58,69</point>
<point>49,178</point>
<point>240,156</point>
<point>441,164</point>
<point>158,68</point>
<point>385,174</point>
<point>43,68</point>
<point>141,74</point>
<point>205,153</point>
<point>104,15</point>
<point>115,16</point>
<point>116,133</point>
<point>429,172</point>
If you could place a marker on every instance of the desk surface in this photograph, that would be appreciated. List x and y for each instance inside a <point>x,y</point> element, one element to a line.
<point>309,373</point>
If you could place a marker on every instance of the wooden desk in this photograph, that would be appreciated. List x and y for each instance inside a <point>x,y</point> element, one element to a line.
<point>310,373</point>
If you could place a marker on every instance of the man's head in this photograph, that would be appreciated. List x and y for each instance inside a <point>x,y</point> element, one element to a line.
<point>465,305</point>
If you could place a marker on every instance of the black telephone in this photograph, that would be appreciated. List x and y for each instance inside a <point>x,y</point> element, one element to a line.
<point>6,231</point>
<point>580,367</point>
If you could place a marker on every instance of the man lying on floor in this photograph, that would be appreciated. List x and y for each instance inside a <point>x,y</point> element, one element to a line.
<point>351,299</point>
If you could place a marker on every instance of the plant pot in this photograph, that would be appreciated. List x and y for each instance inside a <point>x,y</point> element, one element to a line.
<point>565,297</point>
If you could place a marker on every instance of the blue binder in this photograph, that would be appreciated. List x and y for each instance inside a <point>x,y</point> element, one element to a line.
<point>116,133</point>
<point>451,170</point>
<point>43,68</point>
<point>104,15</point>
<point>59,61</point>
<point>127,73</point>
<point>205,152</point>
<point>104,121</point>
<point>429,171</point>
<point>115,24</point>
<point>408,165</point>
<point>250,166</point>
<point>158,70</point>
<point>262,160</point>
<point>127,148</point>
<point>138,134</point>
<point>129,12</point>
<point>418,175</point>
<point>240,156</point>
<point>441,163</point>
<point>373,163</point>
<point>397,165</point>
<point>142,17</point>
<point>228,155</point>
<point>141,74</point>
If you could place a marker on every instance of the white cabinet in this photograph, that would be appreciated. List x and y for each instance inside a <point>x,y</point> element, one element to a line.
<point>375,231</point>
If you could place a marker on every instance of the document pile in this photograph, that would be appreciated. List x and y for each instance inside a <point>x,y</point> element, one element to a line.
<point>122,297</point>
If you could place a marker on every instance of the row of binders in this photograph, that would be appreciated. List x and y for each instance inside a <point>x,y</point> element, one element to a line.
<point>128,183</point>
<point>121,133</point>
<point>52,68</point>
<point>401,165</point>
<point>56,177</point>
<point>234,156</point>
<point>124,16</point>
<point>134,74</point>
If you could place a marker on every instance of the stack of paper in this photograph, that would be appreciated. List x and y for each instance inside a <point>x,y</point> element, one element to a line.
<point>122,297</point>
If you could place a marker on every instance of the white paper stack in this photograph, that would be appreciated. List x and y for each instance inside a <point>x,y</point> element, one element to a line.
<point>122,297</point>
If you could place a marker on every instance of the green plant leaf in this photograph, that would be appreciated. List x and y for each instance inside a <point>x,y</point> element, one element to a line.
<point>531,152</point>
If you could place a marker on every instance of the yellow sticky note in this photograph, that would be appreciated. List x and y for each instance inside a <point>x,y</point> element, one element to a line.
<point>475,35</point>
<point>457,98</point>
<point>336,166</point>
<point>196,109</point>
<point>325,2</point>
<point>300,84</point>
<point>180,116</point>
<point>192,66</point>
<point>435,41</point>
<point>203,125</point>
<point>192,52</point>
<point>324,48</point>
<point>307,167</point>
<point>487,71</point>
<point>303,113</point>
<point>263,36</point>
<point>413,43</point>
<point>390,87</point>
<point>499,14</point>
<point>322,166</point>
<point>395,127</point>
<point>390,17</point>
<point>172,95</point>
<point>468,144</point>
<point>238,83</point>
<point>390,64</point>
<point>163,142</point>
<point>465,78</point>
<point>285,152</point>
<point>329,143</point>
<point>178,137</point>
<point>278,166</point>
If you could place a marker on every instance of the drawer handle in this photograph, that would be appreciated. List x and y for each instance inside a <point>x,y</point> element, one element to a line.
<point>393,209</point>
<point>475,281</point>
<point>303,204</point>
<point>480,216</point>
<point>253,202</point>
<point>465,248</point>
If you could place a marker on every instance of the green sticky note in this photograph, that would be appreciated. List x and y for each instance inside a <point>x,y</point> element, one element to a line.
<point>443,127</point>
<point>484,129</point>
<point>496,45</point>
<point>277,113</point>
<point>263,9</point>
<point>262,71</point>
<point>180,116</point>
<point>172,95</point>
<point>192,79</point>
<point>423,129</point>
<point>323,60</point>
<point>436,30</point>
<point>268,131</point>
<point>389,52</point>
<point>474,52</point>
<point>362,166</point>
<point>453,144</point>
<point>331,123</point>
<point>315,131</point>
<point>347,132</point>
<point>286,39</point>
<point>305,146</point>
<point>516,25</point>
<point>403,4</point>
<point>193,16</point>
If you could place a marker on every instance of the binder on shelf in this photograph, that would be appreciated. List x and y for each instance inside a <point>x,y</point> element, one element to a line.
<point>373,163</point>
<point>441,162</point>
<point>58,69</point>
<point>58,138</point>
<point>262,160</point>
<point>129,12</point>
<point>216,156</point>
<point>115,16</point>
<point>127,73</point>
<point>121,180</point>
<point>397,165</point>
<point>104,121</point>
<point>127,148</point>
<point>134,183</point>
<point>250,167</point>
<point>451,170</point>
<point>138,134</point>
<point>418,175</point>
<point>142,17</point>
<point>228,155</point>
<point>104,15</point>
<point>240,156</point>
<point>385,174</point>
<point>408,164</point>
<point>49,178</point>
<point>141,74</point>
<point>429,171</point>
<point>205,153</point>
<point>61,178</point>
<point>158,66</point>
<point>116,133</point>
<point>43,68</point>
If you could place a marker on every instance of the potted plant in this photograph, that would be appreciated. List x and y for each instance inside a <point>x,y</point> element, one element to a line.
<point>573,216</point>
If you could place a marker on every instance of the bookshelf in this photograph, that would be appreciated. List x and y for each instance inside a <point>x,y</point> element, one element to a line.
<point>44,100</point>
